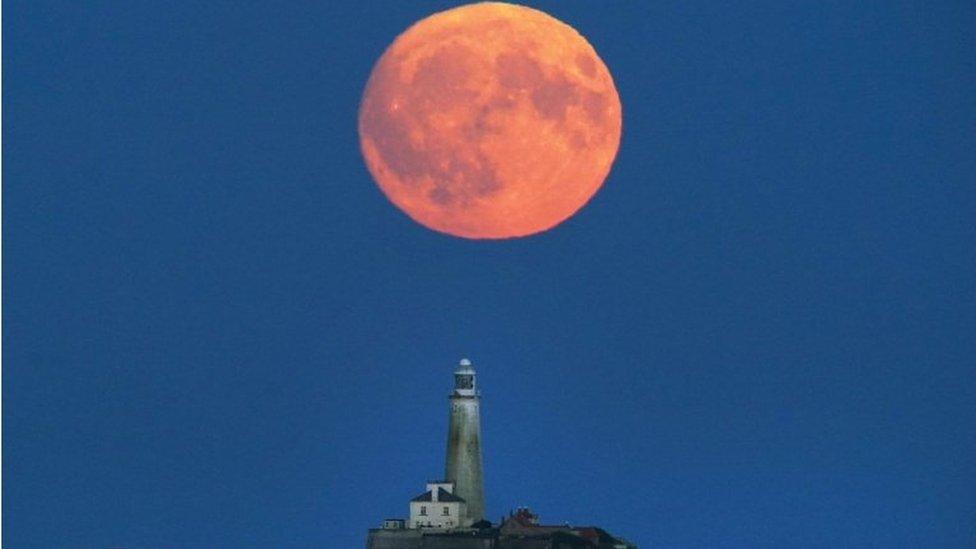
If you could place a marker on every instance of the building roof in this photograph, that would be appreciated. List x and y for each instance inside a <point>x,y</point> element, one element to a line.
<point>442,495</point>
<point>525,524</point>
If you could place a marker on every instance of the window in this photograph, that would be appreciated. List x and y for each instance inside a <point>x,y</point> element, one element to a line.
<point>447,511</point>
<point>423,510</point>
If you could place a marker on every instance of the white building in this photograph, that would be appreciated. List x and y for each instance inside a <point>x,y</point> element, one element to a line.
<point>438,507</point>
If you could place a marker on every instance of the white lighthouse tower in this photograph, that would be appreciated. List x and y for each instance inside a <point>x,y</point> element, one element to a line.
<point>464,442</point>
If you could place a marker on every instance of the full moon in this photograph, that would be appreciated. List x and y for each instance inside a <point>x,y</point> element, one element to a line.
<point>490,120</point>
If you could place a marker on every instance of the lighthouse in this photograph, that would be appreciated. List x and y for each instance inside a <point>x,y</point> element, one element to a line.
<point>463,466</point>
<point>451,511</point>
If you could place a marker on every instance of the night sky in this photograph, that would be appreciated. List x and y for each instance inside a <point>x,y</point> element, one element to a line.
<point>217,332</point>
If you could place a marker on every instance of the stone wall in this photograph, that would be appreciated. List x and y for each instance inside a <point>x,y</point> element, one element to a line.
<point>413,539</point>
<point>394,539</point>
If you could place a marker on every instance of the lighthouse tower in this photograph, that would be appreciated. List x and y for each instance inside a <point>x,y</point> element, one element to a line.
<point>464,442</point>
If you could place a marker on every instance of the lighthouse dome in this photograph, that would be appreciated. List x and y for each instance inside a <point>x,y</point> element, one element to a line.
<point>464,366</point>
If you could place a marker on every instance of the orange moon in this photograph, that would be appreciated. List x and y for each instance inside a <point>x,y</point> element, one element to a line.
<point>490,120</point>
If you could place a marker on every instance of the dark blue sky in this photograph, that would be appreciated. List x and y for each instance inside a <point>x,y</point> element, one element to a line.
<point>218,333</point>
